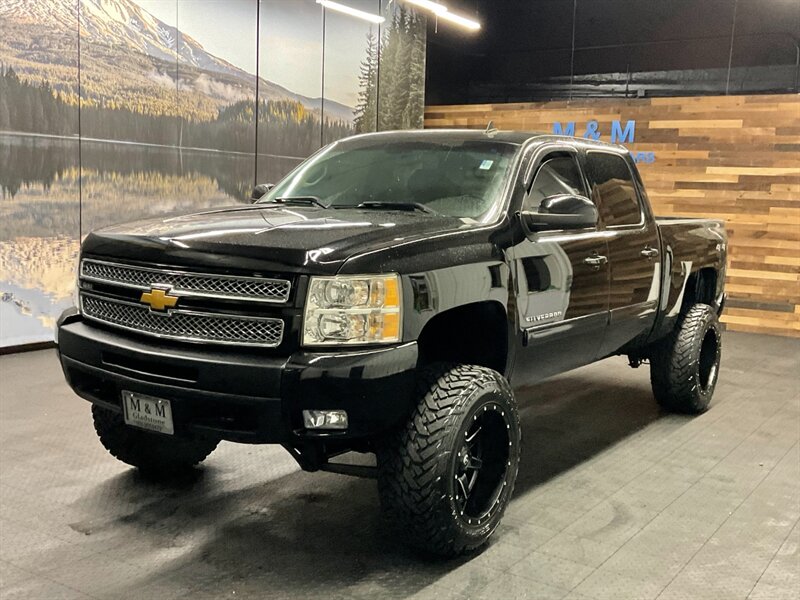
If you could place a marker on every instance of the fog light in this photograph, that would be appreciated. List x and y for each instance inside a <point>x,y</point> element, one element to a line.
<point>325,419</point>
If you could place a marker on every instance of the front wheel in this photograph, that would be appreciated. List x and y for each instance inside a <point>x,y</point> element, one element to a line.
<point>157,456</point>
<point>446,476</point>
<point>684,367</point>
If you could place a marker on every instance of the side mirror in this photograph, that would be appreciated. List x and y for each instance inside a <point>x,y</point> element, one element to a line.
<point>563,211</point>
<point>260,191</point>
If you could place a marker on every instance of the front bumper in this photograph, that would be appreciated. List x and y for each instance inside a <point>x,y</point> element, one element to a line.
<point>240,395</point>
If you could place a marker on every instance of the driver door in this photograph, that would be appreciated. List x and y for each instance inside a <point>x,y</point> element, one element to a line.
<point>563,281</point>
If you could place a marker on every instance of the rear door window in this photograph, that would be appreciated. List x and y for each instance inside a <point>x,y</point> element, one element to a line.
<point>613,190</point>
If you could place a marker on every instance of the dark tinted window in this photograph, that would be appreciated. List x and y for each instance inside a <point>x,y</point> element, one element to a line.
<point>558,175</point>
<point>612,189</point>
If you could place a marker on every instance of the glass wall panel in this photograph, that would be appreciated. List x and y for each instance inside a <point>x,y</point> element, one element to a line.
<point>349,43</point>
<point>39,199</point>
<point>401,73</point>
<point>129,109</point>
<point>290,85</point>
<point>129,71</point>
<point>217,96</point>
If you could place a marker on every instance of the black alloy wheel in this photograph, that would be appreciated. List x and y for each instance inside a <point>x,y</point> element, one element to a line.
<point>708,363</point>
<point>481,464</point>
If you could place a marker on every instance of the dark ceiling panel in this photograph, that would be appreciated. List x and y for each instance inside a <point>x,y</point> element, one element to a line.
<point>766,37</point>
<point>524,49</point>
<point>610,22</point>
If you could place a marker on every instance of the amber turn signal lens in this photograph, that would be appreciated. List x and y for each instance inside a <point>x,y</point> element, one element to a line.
<point>391,298</point>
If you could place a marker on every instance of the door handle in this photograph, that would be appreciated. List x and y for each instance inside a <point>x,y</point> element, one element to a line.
<point>596,261</point>
<point>649,252</point>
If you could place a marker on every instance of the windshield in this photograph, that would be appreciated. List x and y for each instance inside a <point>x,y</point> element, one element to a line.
<point>454,178</point>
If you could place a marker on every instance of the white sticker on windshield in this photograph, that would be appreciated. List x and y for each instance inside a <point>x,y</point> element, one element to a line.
<point>486,165</point>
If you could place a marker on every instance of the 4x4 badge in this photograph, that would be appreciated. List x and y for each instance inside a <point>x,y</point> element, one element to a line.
<point>158,299</point>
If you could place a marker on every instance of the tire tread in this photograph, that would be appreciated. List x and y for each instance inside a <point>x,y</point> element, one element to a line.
<point>409,463</point>
<point>149,452</point>
<point>673,362</point>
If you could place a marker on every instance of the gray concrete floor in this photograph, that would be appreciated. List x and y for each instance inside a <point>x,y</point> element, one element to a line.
<point>615,499</point>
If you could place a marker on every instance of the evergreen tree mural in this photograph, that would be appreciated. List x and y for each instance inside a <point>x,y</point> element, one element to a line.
<point>392,77</point>
<point>415,106</point>
<point>366,111</point>
<point>34,108</point>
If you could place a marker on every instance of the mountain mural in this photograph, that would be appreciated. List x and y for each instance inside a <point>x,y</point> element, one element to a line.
<point>108,113</point>
<point>130,60</point>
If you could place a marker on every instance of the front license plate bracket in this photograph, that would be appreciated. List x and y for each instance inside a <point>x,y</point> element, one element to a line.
<point>147,412</point>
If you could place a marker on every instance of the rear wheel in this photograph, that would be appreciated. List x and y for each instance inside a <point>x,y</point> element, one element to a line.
<point>447,475</point>
<point>156,455</point>
<point>685,366</point>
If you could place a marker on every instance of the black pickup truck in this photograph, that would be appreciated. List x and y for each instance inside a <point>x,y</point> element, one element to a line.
<point>388,296</point>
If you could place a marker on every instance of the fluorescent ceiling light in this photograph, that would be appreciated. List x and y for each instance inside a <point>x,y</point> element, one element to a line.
<point>353,12</point>
<point>442,12</point>
<point>459,20</point>
<point>434,7</point>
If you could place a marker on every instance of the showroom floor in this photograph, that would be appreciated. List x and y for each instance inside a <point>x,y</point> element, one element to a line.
<point>614,500</point>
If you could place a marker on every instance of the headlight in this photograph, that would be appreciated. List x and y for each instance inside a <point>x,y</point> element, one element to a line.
<point>352,310</point>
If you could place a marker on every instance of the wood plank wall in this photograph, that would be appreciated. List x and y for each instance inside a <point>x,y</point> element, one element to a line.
<point>731,157</point>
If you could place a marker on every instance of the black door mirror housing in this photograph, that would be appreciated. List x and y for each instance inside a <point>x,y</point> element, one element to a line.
<point>260,191</point>
<point>564,211</point>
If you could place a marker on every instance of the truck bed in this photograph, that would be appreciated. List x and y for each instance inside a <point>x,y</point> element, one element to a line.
<point>696,240</point>
<point>689,246</point>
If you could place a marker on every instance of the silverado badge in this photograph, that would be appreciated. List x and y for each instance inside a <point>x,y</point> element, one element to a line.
<point>158,299</point>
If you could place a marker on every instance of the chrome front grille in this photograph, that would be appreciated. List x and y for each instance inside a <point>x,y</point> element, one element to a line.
<point>228,287</point>
<point>184,325</point>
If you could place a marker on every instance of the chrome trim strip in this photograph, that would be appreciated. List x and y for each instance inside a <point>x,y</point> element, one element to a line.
<point>636,306</point>
<point>183,292</point>
<point>639,310</point>
<point>179,338</point>
<point>572,320</point>
<point>536,159</point>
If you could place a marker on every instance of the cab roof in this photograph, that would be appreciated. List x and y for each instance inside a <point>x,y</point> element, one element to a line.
<point>505,136</point>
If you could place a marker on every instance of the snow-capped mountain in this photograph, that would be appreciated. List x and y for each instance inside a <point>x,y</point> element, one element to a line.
<point>123,22</point>
<point>114,33</point>
<point>119,23</point>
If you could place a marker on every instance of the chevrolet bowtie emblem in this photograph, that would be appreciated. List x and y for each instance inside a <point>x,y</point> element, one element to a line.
<point>158,299</point>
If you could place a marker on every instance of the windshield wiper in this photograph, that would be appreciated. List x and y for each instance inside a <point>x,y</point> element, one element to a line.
<point>375,204</point>
<point>305,200</point>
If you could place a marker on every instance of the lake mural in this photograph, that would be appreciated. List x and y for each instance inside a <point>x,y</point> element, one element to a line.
<point>178,105</point>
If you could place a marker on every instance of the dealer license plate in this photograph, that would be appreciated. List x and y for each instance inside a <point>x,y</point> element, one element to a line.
<point>147,412</point>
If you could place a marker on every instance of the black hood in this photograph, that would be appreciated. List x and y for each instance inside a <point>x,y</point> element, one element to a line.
<point>267,237</point>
